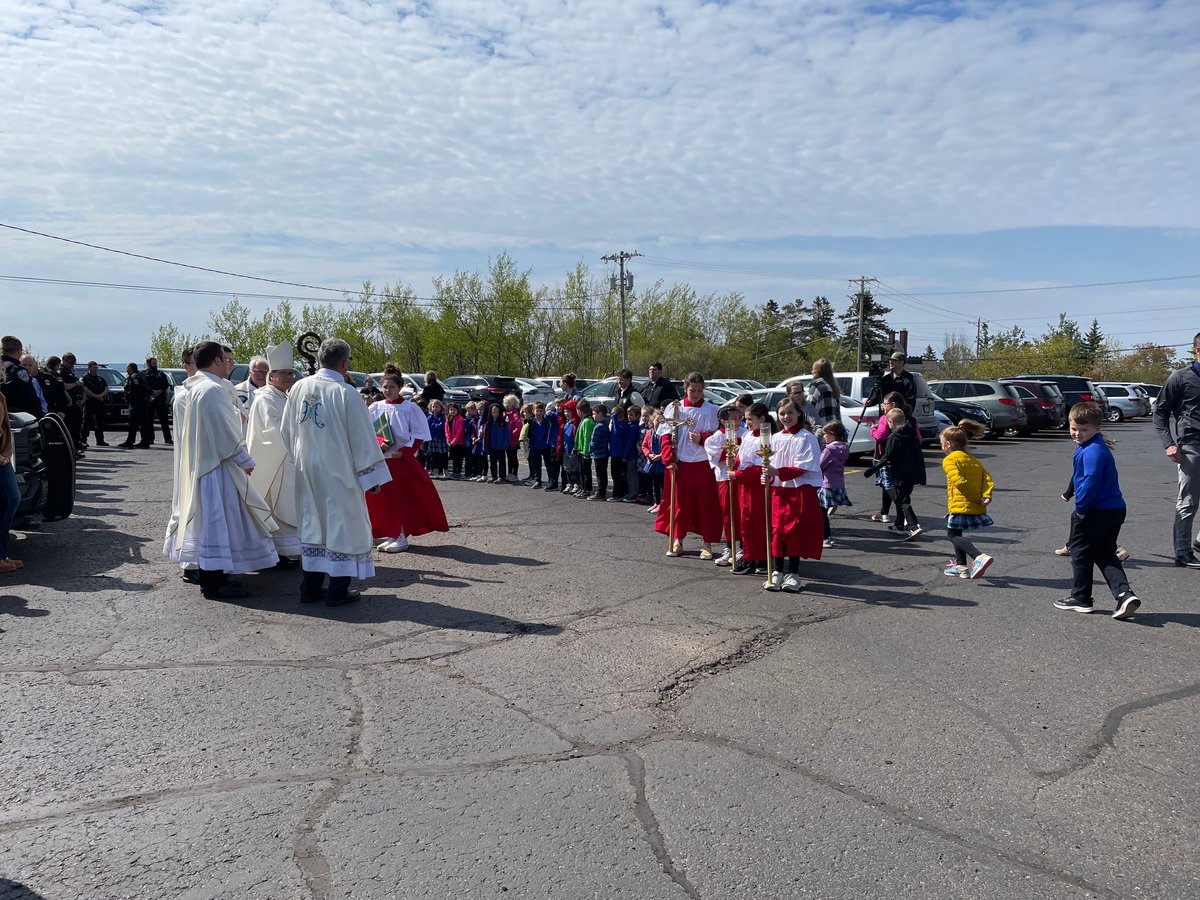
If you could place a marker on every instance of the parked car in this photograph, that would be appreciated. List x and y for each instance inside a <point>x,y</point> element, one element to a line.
<point>415,384</point>
<point>1045,407</point>
<point>957,410</point>
<point>856,419</point>
<point>738,385</point>
<point>44,461</point>
<point>485,387</point>
<point>999,399</point>
<point>1152,392</point>
<point>1125,401</point>
<point>1074,388</point>
<point>860,386</point>
<point>534,391</point>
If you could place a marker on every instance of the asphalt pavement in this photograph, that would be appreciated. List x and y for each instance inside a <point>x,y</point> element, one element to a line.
<point>540,704</point>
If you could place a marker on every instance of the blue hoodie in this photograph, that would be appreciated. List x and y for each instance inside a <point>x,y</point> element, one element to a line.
<point>1095,477</point>
<point>598,448</point>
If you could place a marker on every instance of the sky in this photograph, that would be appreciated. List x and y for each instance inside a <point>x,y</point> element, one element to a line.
<point>980,159</point>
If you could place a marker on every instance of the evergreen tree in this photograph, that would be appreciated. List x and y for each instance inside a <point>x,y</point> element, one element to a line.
<point>875,326</point>
<point>929,355</point>
<point>818,324</point>
<point>1093,342</point>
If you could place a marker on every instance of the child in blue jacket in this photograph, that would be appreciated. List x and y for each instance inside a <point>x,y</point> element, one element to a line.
<point>598,449</point>
<point>1096,522</point>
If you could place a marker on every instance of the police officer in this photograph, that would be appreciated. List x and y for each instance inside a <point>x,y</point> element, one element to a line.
<point>17,385</point>
<point>897,379</point>
<point>137,395</point>
<point>75,397</point>
<point>95,392</point>
<point>160,386</point>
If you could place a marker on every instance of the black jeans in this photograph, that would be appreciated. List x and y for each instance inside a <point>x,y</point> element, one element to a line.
<point>536,458</point>
<point>158,412</point>
<point>93,420</point>
<point>457,454</point>
<point>499,462</point>
<point>513,463</point>
<point>906,519</point>
<point>619,482</point>
<point>139,422</point>
<point>585,474</point>
<point>1093,542</point>
<point>601,476</point>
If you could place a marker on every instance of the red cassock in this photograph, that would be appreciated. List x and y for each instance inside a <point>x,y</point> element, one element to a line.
<point>697,505</point>
<point>797,528</point>
<point>752,512</point>
<point>723,492</point>
<point>409,503</point>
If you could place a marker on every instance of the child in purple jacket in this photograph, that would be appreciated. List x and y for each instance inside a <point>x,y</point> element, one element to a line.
<point>832,492</point>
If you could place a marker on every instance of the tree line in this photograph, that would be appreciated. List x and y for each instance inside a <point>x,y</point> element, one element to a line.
<point>499,322</point>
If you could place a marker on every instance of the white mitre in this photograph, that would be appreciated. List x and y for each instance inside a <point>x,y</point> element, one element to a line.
<point>280,357</point>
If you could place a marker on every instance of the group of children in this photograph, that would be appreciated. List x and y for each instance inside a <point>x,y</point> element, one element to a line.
<point>575,449</point>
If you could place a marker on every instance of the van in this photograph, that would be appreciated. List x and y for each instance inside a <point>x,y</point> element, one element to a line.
<point>860,385</point>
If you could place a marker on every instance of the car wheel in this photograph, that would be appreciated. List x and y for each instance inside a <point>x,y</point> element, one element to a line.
<point>1114,414</point>
<point>993,435</point>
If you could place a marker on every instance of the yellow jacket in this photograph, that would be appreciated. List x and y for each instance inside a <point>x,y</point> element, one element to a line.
<point>967,484</point>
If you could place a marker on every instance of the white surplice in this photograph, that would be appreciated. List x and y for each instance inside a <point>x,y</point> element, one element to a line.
<point>414,417</point>
<point>219,520</point>
<point>328,432</point>
<point>274,475</point>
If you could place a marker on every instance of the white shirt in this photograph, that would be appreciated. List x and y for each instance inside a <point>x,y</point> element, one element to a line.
<point>703,420</point>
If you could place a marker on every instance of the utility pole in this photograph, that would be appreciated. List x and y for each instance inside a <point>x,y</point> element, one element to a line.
<point>619,257</point>
<point>862,281</point>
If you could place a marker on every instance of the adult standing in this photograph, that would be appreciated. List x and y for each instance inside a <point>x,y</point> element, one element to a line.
<point>95,392</point>
<point>224,525</point>
<point>53,387</point>
<point>824,394</point>
<point>433,390</point>
<point>697,503</point>
<point>160,387</point>
<point>1179,400</point>
<point>74,389</point>
<point>567,383</point>
<point>256,379</point>
<point>658,391</point>
<point>627,394</point>
<point>178,404</point>
<point>274,474</point>
<point>137,395</point>
<point>29,364</point>
<point>799,395</point>
<point>328,432</point>
<point>16,385</point>
<point>897,378</point>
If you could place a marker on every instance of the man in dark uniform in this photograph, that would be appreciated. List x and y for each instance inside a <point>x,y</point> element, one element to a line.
<point>137,395</point>
<point>160,386</point>
<point>74,389</point>
<point>658,391</point>
<point>897,379</point>
<point>95,391</point>
<point>17,385</point>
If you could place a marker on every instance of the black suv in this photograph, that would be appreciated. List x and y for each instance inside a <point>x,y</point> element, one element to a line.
<point>485,387</point>
<point>1074,388</point>
<point>115,407</point>
<point>44,458</point>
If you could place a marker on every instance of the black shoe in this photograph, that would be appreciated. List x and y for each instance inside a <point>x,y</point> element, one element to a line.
<point>746,568</point>
<point>1127,605</point>
<point>191,576</point>
<point>286,562</point>
<point>226,591</point>
<point>169,443</point>
<point>312,587</point>
<point>102,444</point>
<point>144,446</point>
<point>760,570</point>
<point>349,597</point>
<point>552,486</point>
<point>1074,605</point>
<point>126,446</point>
<point>1187,562</point>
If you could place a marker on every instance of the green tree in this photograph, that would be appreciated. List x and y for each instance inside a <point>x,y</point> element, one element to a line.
<point>875,338</point>
<point>818,323</point>
<point>930,355</point>
<point>1093,342</point>
<point>167,344</point>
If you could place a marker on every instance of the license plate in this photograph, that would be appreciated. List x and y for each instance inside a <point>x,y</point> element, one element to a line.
<point>125,411</point>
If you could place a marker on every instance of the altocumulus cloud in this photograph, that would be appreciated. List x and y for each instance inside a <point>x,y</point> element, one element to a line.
<point>479,124</point>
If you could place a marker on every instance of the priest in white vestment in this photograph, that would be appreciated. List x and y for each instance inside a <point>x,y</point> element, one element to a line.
<point>178,405</point>
<point>329,434</point>
<point>274,474</point>
<point>223,525</point>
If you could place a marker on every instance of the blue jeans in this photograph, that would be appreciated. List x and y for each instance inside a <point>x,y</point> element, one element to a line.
<point>10,498</point>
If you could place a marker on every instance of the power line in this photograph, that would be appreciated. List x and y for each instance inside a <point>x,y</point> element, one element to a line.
<point>170,262</point>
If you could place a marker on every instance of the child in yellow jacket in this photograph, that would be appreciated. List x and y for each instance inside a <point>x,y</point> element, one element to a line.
<point>968,493</point>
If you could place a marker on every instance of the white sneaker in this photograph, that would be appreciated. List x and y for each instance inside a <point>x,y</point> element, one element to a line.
<point>827,543</point>
<point>399,545</point>
<point>774,583</point>
<point>725,559</point>
<point>791,584</point>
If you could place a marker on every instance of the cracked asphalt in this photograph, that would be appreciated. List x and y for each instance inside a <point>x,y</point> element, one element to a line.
<point>540,704</point>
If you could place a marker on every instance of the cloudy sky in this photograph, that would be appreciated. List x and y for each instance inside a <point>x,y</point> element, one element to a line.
<point>775,147</point>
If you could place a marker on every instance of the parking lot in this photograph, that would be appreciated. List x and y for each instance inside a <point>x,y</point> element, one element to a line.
<point>540,704</point>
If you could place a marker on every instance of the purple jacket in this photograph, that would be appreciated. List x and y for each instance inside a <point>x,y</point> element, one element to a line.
<point>833,464</point>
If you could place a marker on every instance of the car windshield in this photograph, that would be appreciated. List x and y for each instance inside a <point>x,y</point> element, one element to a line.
<point>600,389</point>
<point>111,378</point>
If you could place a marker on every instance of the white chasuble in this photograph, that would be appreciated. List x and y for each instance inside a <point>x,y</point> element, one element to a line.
<point>274,476</point>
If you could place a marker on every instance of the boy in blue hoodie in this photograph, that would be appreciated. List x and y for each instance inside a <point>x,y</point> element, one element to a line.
<point>1096,522</point>
<point>542,439</point>
<point>598,447</point>
<point>618,437</point>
